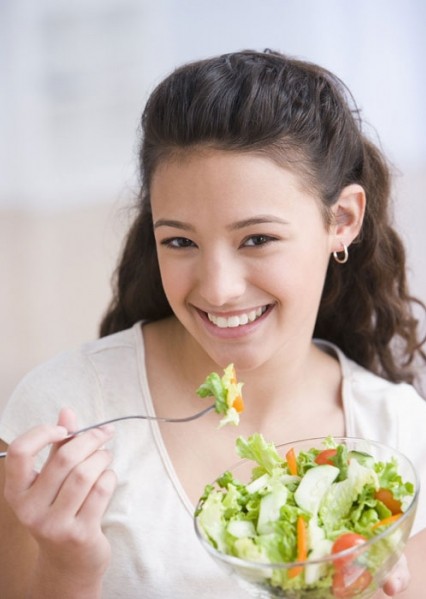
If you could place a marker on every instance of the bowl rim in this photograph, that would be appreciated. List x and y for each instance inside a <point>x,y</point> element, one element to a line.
<point>238,561</point>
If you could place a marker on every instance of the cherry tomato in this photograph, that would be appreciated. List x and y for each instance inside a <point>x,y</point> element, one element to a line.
<point>346,541</point>
<point>348,582</point>
<point>324,457</point>
<point>386,497</point>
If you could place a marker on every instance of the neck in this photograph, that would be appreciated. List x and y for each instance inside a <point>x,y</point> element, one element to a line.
<point>296,378</point>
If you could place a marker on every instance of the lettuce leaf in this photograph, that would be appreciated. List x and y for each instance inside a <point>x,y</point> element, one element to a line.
<point>257,449</point>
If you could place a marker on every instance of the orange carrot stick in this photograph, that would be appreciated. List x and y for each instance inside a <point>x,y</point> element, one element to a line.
<point>387,521</point>
<point>291,461</point>
<point>302,546</point>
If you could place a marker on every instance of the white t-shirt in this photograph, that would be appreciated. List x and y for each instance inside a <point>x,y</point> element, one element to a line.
<point>150,519</point>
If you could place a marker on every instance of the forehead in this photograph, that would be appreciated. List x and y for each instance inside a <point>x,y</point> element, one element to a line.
<point>226,172</point>
<point>218,188</point>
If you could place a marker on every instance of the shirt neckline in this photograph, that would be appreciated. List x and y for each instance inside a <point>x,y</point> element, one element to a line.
<point>155,429</point>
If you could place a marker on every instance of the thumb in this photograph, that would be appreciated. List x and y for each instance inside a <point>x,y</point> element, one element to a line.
<point>67,419</point>
<point>398,578</point>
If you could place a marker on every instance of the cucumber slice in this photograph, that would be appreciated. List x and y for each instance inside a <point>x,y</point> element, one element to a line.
<point>241,529</point>
<point>269,510</point>
<point>365,459</point>
<point>258,483</point>
<point>313,487</point>
<point>315,571</point>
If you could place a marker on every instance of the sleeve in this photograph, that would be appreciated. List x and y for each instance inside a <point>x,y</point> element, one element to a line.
<point>412,442</point>
<point>390,413</point>
<point>68,380</point>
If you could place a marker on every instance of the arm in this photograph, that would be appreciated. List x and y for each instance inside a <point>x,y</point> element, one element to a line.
<point>54,519</point>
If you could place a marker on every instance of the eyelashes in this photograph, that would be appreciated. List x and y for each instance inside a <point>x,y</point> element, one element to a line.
<point>257,240</point>
<point>177,243</point>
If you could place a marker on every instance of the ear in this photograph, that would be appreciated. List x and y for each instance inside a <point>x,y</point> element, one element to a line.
<point>348,214</point>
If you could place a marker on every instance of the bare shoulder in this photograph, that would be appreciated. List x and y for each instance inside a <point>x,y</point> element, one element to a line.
<point>17,550</point>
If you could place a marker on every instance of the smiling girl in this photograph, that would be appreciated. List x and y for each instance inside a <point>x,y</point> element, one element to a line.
<point>263,238</point>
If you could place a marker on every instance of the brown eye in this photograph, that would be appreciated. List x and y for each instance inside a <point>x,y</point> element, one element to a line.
<point>256,240</point>
<point>178,242</point>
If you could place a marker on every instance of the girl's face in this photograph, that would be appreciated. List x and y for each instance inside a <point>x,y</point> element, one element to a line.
<point>243,251</point>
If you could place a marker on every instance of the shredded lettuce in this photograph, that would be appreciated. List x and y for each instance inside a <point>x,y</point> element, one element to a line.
<point>257,449</point>
<point>227,393</point>
<point>389,478</point>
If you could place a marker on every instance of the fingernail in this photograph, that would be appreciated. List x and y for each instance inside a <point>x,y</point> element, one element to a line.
<point>397,586</point>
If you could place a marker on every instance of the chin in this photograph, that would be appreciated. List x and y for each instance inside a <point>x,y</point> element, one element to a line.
<point>243,360</point>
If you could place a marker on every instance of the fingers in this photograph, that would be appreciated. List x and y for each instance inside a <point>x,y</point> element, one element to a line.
<point>62,505</point>
<point>98,499</point>
<point>68,419</point>
<point>398,579</point>
<point>80,481</point>
<point>75,515</point>
<point>72,480</point>
<point>78,459</point>
<point>22,453</point>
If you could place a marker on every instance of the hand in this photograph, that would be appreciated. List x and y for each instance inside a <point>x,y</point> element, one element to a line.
<point>398,579</point>
<point>62,506</point>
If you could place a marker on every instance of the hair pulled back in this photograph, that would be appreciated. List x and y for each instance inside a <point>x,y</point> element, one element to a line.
<point>301,116</point>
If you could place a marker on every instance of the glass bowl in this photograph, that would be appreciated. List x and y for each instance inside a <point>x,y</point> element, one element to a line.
<point>354,573</point>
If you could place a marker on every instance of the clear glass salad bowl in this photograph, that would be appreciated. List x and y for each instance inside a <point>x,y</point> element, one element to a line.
<point>354,567</point>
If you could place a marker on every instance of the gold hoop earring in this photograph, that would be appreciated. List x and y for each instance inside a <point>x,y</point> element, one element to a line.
<point>344,258</point>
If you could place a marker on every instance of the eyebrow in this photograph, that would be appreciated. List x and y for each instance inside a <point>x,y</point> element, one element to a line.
<point>241,224</point>
<point>257,220</point>
<point>177,224</point>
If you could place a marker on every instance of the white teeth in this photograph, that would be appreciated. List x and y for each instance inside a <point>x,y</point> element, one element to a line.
<point>244,319</point>
<point>252,316</point>
<point>236,321</point>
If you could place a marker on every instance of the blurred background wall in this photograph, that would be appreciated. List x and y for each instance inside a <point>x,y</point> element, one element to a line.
<point>74,77</point>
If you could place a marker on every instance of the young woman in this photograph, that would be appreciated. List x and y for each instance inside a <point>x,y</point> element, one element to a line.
<point>263,238</point>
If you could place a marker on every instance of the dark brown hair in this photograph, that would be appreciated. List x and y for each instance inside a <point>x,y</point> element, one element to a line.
<point>303,117</point>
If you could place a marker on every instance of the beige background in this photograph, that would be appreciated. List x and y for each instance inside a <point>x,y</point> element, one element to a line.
<point>74,77</point>
<point>56,270</point>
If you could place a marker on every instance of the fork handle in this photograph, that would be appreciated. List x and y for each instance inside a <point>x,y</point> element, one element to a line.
<point>72,434</point>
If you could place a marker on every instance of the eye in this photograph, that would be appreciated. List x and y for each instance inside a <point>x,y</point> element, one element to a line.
<point>256,240</point>
<point>177,242</point>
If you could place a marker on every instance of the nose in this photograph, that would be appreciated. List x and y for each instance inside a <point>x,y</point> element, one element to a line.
<point>221,279</point>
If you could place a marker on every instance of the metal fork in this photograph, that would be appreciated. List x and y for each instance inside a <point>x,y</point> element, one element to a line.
<point>3,454</point>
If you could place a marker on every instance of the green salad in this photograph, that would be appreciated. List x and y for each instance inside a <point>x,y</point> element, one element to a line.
<point>304,507</point>
<point>227,394</point>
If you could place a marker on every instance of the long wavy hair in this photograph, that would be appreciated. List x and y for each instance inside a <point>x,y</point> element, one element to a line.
<point>303,117</point>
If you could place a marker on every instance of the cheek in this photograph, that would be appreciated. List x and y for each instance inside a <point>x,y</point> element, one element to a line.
<point>300,277</point>
<point>175,281</point>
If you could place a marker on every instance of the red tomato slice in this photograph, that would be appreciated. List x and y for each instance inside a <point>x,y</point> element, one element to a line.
<point>386,497</point>
<point>349,582</point>
<point>346,541</point>
<point>324,457</point>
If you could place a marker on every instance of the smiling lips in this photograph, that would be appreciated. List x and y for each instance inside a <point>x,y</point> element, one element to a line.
<point>228,322</point>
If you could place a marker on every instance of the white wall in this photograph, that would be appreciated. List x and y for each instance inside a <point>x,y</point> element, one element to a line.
<point>74,77</point>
